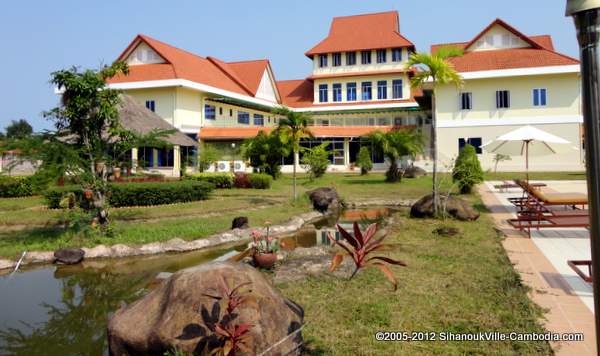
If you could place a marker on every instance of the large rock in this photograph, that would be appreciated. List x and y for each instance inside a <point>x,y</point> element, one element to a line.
<point>180,314</point>
<point>240,222</point>
<point>456,207</point>
<point>324,199</point>
<point>303,262</point>
<point>414,172</point>
<point>69,256</point>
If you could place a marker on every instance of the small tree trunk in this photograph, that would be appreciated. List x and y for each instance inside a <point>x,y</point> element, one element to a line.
<point>434,191</point>
<point>294,175</point>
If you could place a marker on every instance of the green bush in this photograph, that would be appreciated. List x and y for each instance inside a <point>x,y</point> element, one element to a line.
<point>219,180</point>
<point>135,194</point>
<point>316,160</point>
<point>260,180</point>
<point>364,160</point>
<point>467,170</point>
<point>11,187</point>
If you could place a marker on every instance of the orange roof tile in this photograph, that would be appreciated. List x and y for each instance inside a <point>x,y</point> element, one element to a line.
<point>238,77</point>
<point>362,32</point>
<point>540,54</point>
<point>229,133</point>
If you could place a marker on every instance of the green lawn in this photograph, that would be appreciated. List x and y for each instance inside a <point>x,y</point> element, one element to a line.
<point>455,284</point>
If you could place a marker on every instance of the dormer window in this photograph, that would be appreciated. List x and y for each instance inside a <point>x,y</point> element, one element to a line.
<point>381,56</point>
<point>336,59</point>
<point>396,54</point>
<point>322,60</point>
<point>365,57</point>
<point>350,58</point>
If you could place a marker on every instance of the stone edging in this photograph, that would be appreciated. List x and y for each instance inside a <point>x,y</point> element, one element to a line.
<point>173,245</point>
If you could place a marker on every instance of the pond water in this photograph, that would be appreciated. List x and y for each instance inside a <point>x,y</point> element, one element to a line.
<point>63,310</point>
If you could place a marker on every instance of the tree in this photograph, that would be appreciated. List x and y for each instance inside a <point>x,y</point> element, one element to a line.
<point>364,160</point>
<point>264,151</point>
<point>435,70</point>
<point>292,128</point>
<point>394,145</point>
<point>208,156</point>
<point>89,137</point>
<point>316,160</point>
<point>467,170</point>
<point>18,129</point>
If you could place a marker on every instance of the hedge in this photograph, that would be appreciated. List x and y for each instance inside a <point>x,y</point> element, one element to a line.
<point>219,180</point>
<point>260,180</point>
<point>136,194</point>
<point>11,187</point>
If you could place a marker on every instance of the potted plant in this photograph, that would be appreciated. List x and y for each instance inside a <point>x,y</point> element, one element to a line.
<point>265,249</point>
<point>117,172</point>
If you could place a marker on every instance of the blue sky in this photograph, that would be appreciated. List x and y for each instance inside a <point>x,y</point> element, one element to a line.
<point>38,37</point>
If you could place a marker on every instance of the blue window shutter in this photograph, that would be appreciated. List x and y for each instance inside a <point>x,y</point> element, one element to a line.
<point>536,97</point>
<point>543,97</point>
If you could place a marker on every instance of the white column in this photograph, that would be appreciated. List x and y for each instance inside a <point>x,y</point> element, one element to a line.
<point>176,160</point>
<point>347,152</point>
<point>134,160</point>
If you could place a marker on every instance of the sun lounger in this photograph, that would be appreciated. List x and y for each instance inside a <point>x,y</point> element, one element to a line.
<point>574,264</point>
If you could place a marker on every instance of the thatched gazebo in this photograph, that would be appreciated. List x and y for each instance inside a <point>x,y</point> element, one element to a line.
<point>137,118</point>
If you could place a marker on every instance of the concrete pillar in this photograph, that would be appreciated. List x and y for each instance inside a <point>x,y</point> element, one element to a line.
<point>176,160</point>
<point>134,160</point>
<point>347,152</point>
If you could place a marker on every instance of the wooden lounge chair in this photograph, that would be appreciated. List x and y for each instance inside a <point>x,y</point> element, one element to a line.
<point>574,264</point>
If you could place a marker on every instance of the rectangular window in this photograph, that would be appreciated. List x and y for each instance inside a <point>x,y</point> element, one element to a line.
<point>502,99</point>
<point>323,93</point>
<point>466,101</point>
<point>230,112</point>
<point>382,89</point>
<point>209,112</point>
<point>322,60</point>
<point>473,141</point>
<point>366,91</point>
<point>243,118</point>
<point>150,105</point>
<point>337,92</point>
<point>336,59</point>
<point>381,56</point>
<point>351,91</point>
<point>397,89</point>
<point>259,120</point>
<point>396,54</point>
<point>220,111</point>
<point>350,58</point>
<point>365,57</point>
<point>539,97</point>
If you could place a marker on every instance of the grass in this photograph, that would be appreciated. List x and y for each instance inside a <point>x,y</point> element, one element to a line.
<point>461,284</point>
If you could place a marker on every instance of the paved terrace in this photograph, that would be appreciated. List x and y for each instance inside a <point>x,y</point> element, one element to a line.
<point>542,263</point>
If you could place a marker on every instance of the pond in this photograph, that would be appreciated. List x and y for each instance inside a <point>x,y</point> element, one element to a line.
<point>63,310</point>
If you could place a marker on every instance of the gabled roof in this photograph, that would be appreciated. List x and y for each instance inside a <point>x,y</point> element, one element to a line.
<point>540,53</point>
<point>238,77</point>
<point>362,32</point>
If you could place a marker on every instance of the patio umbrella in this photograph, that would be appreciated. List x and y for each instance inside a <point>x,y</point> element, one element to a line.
<point>526,141</point>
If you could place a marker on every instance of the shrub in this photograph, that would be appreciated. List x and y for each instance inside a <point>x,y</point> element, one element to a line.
<point>207,157</point>
<point>260,180</point>
<point>11,187</point>
<point>364,160</point>
<point>219,180</point>
<point>264,151</point>
<point>134,194</point>
<point>316,160</point>
<point>467,170</point>
<point>241,180</point>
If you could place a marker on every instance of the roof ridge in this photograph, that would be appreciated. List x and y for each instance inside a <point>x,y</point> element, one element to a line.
<point>369,14</point>
<point>250,60</point>
<point>221,65</point>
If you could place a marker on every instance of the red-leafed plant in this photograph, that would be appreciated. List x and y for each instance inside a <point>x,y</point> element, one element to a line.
<point>234,335</point>
<point>360,247</point>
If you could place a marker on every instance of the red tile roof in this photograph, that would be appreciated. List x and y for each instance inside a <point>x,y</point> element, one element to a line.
<point>228,133</point>
<point>362,32</point>
<point>238,77</point>
<point>540,53</point>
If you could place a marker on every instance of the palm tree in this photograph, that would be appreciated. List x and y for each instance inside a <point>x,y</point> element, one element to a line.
<point>434,69</point>
<point>293,127</point>
<point>394,145</point>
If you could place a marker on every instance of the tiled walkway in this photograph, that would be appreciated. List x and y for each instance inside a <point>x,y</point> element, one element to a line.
<point>541,262</point>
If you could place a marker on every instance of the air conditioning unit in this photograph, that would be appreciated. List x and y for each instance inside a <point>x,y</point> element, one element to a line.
<point>223,166</point>
<point>239,166</point>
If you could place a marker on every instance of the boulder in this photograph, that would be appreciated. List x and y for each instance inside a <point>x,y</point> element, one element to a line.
<point>324,199</point>
<point>180,314</point>
<point>456,207</point>
<point>414,172</point>
<point>303,262</point>
<point>69,256</point>
<point>241,222</point>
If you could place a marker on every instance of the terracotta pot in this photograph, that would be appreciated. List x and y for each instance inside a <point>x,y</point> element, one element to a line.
<point>99,166</point>
<point>117,172</point>
<point>265,260</point>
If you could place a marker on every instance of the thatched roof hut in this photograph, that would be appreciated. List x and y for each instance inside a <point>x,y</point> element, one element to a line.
<point>135,117</point>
